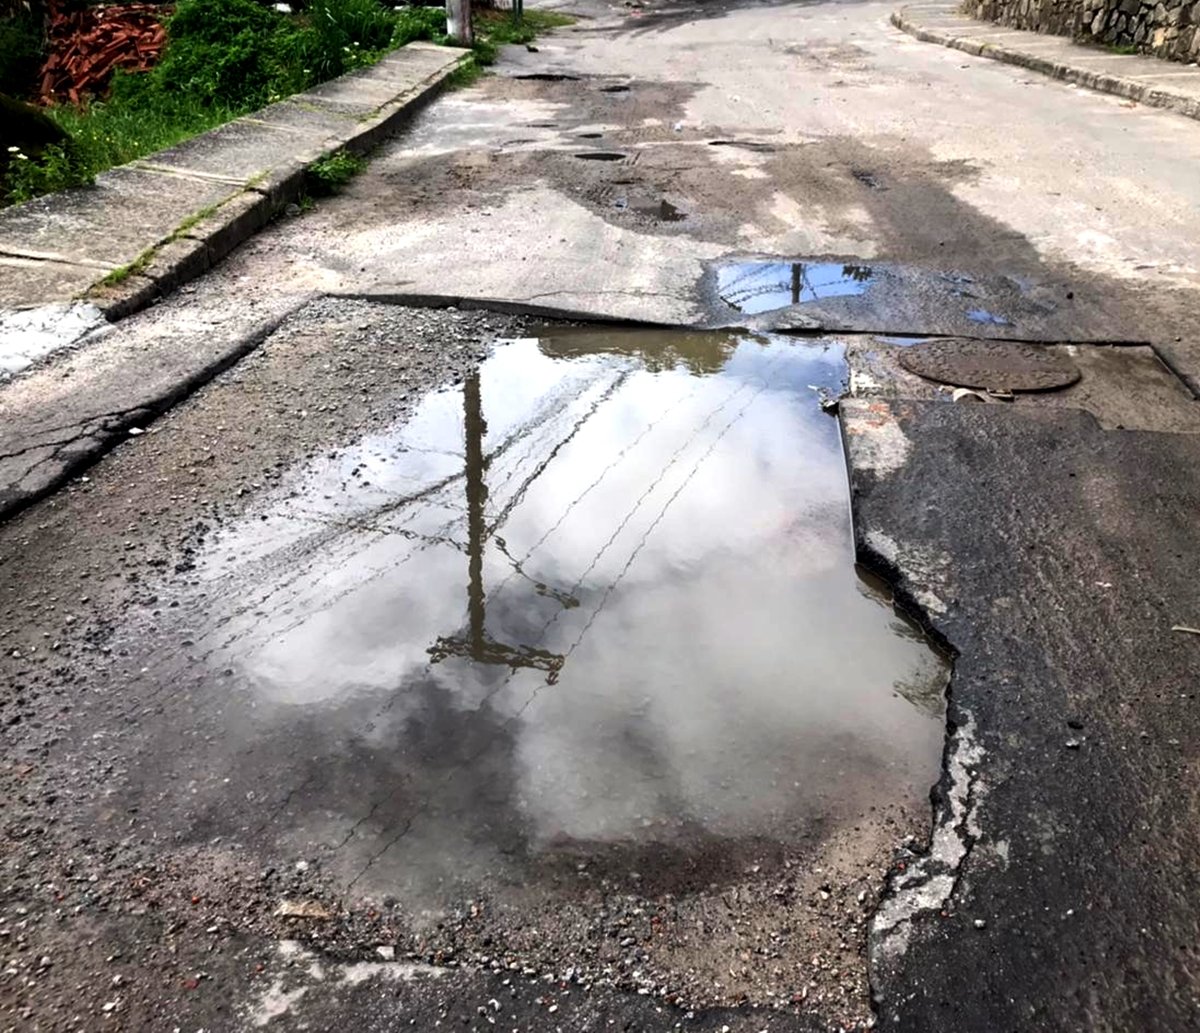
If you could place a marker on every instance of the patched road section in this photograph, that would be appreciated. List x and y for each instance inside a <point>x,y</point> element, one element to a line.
<point>1051,553</point>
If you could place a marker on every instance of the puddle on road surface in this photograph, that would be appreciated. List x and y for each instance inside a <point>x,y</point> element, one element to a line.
<point>600,596</point>
<point>755,287</point>
<point>880,297</point>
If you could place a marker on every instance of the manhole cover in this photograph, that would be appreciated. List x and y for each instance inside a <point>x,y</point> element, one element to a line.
<point>993,365</point>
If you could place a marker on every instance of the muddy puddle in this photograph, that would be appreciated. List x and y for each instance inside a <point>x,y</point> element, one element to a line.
<point>596,605</point>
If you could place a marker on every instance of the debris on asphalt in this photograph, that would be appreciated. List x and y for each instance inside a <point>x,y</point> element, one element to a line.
<point>303,909</point>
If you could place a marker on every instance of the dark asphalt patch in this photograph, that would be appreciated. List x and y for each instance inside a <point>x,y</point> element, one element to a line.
<point>1054,562</point>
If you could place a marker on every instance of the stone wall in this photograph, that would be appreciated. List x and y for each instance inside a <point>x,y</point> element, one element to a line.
<point>1164,28</point>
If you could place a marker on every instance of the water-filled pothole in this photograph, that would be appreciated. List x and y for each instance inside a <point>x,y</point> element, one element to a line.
<point>762,286</point>
<point>581,637</point>
<point>601,155</point>
<point>848,293</point>
<point>599,597</point>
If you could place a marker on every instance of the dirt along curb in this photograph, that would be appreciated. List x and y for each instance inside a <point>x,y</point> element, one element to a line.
<point>1132,76</point>
<point>144,228</point>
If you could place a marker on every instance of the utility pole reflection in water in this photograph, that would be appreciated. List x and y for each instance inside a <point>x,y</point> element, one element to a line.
<point>475,644</point>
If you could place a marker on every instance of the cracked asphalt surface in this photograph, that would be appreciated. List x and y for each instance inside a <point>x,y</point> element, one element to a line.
<point>1044,543</point>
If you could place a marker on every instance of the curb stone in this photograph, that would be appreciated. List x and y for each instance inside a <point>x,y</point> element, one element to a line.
<point>909,19</point>
<point>227,208</point>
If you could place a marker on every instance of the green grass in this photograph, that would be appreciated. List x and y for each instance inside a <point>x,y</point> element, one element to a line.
<point>467,72</point>
<point>331,173</point>
<point>224,58</point>
<point>122,273</point>
<point>494,29</point>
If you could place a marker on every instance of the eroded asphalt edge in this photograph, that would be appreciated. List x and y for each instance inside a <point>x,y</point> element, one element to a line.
<point>42,446</point>
<point>892,459</point>
<point>930,882</point>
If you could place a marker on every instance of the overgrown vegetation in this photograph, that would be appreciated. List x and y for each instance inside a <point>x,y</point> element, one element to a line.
<point>494,29</point>
<point>224,58</point>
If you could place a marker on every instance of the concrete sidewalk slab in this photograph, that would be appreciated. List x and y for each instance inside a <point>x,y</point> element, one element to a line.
<point>21,278</point>
<point>305,119</point>
<point>1132,76</point>
<point>111,223</point>
<point>238,151</point>
<point>171,215</point>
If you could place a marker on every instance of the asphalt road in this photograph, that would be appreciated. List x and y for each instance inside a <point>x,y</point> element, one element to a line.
<point>161,828</point>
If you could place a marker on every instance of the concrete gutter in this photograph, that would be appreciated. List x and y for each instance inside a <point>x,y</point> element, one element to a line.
<point>164,219</point>
<point>1147,80</point>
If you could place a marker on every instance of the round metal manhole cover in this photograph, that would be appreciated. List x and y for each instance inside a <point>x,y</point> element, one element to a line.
<point>991,365</point>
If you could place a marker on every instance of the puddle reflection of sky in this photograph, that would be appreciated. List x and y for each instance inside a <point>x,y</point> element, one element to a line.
<point>678,540</point>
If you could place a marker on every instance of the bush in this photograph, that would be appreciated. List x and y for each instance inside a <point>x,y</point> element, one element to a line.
<point>414,23</point>
<point>230,53</point>
<point>225,58</point>
<point>342,35</point>
<point>56,168</point>
<point>241,54</point>
<point>21,53</point>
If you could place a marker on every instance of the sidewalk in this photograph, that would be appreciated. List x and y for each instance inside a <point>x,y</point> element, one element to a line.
<point>1147,80</point>
<point>155,223</point>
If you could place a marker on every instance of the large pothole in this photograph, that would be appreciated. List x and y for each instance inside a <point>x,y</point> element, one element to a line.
<point>571,669</point>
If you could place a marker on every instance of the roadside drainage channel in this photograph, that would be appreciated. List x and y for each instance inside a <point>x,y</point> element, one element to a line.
<point>209,193</point>
<point>585,625</point>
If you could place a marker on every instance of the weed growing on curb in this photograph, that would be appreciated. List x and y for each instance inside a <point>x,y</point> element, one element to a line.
<point>122,273</point>
<point>331,173</point>
<point>494,29</point>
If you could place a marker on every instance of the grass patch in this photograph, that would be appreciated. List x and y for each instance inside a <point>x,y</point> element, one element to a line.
<point>330,174</point>
<point>122,273</point>
<point>137,120</point>
<point>193,220</point>
<point>467,72</point>
<point>494,29</point>
<point>224,58</point>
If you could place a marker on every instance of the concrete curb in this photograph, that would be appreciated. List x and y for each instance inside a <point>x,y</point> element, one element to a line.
<point>51,431</point>
<point>223,186</point>
<point>909,19</point>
